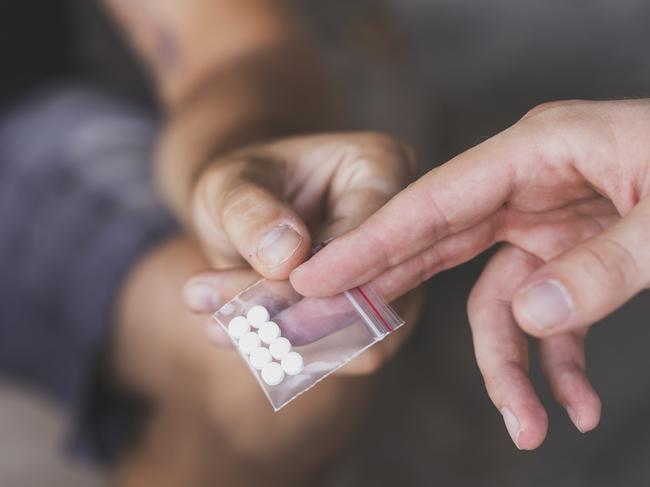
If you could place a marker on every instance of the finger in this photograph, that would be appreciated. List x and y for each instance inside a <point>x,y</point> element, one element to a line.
<point>447,200</point>
<point>532,166</point>
<point>551,233</point>
<point>238,213</point>
<point>501,347</point>
<point>545,241</point>
<point>372,170</point>
<point>588,282</point>
<point>310,319</point>
<point>208,291</point>
<point>563,363</point>
<point>414,220</point>
<point>444,254</point>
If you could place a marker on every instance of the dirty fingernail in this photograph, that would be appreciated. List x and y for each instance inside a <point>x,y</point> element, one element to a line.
<point>278,245</point>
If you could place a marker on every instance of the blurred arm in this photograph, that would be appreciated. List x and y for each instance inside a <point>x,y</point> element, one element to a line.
<point>229,72</point>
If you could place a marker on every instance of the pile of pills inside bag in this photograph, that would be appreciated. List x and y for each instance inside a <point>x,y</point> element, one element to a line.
<point>260,342</point>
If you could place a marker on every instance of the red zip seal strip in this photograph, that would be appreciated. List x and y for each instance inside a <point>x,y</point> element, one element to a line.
<point>365,297</point>
<point>363,294</point>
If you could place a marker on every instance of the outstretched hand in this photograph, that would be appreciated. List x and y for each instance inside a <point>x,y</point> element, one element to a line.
<point>566,189</point>
<point>260,210</point>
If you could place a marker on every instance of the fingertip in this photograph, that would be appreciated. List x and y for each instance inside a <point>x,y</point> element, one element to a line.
<point>200,296</point>
<point>531,438</point>
<point>299,278</point>
<point>348,261</point>
<point>206,292</point>
<point>585,415</point>
<point>303,282</point>
<point>313,280</point>
<point>527,429</point>
<point>260,225</point>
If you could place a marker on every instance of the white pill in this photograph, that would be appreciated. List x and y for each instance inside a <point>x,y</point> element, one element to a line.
<point>268,332</point>
<point>259,357</point>
<point>249,341</point>
<point>257,315</point>
<point>238,326</point>
<point>272,374</point>
<point>280,347</point>
<point>292,363</point>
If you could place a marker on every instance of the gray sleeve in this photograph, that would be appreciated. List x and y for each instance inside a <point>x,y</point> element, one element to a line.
<point>77,209</point>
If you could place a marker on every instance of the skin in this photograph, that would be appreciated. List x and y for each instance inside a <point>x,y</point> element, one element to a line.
<point>211,424</point>
<point>314,187</point>
<point>237,81</point>
<point>565,191</point>
<point>231,73</point>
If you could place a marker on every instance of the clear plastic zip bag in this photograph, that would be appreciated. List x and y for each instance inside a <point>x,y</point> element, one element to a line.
<point>291,342</point>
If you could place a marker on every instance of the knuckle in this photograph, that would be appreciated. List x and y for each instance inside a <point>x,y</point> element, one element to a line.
<point>396,148</point>
<point>244,201</point>
<point>564,372</point>
<point>424,264</point>
<point>559,120</point>
<point>209,187</point>
<point>205,219</point>
<point>553,109</point>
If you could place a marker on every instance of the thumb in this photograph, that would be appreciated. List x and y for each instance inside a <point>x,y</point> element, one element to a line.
<point>590,281</point>
<point>238,214</point>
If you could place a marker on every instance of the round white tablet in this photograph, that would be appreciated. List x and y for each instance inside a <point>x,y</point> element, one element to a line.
<point>238,326</point>
<point>249,341</point>
<point>268,332</point>
<point>280,347</point>
<point>259,357</point>
<point>257,315</point>
<point>292,363</point>
<point>272,374</point>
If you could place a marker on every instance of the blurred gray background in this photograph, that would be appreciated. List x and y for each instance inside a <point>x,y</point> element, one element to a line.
<point>444,75</point>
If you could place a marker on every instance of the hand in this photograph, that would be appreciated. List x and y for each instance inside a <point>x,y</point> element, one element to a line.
<point>207,400</point>
<point>268,204</point>
<point>228,283</point>
<point>261,205</point>
<point>567,189</point>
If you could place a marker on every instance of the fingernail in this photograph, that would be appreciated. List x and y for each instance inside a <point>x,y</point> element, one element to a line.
<point>278,245</point>
<point>575,419</point>
<point>512,425</point>
<point>546,305</point>
<point>202,297</point>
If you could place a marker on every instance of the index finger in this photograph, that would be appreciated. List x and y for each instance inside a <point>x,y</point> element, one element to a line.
<point>445,201</point>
